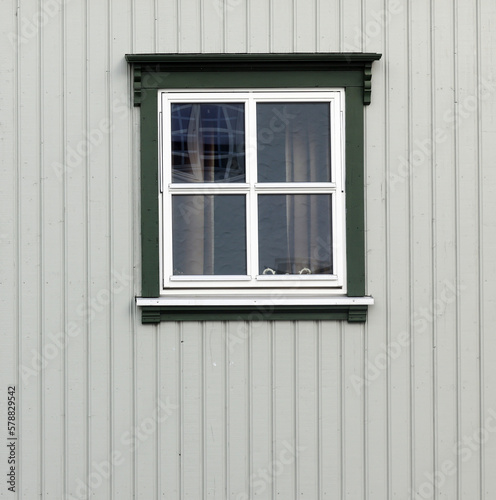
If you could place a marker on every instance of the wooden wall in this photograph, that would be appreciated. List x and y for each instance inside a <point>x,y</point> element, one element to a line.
<point>403,407</point>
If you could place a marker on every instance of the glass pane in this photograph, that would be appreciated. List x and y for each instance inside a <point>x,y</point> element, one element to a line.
<point>209,234</point>
<point>208,142</point>
<point>295,234</point>
<point>293,142</point>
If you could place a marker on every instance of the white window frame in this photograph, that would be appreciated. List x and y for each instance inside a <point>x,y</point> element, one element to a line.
<point>191,289</point>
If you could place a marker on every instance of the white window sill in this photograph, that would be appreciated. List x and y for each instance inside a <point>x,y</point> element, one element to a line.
<point>259,300</point>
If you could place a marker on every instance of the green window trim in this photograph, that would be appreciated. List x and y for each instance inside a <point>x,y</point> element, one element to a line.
<point>152,72</point>
<point>155,314</point>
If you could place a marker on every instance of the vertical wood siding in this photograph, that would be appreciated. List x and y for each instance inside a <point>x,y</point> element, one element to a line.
<point>403,407</point>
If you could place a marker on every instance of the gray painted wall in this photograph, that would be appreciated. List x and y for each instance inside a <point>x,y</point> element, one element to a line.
<point>377,411</point>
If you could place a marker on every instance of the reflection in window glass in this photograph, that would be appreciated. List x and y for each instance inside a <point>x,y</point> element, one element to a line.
<point>208,142</point>
<point>209,234</point>
<point>293,142</point>
<point>294,234</point>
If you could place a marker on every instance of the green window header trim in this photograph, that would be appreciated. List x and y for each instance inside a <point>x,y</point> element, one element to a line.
<point>161,65</point>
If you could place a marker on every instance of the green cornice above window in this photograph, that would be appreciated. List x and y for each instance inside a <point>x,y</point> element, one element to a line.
<point>154,71</point>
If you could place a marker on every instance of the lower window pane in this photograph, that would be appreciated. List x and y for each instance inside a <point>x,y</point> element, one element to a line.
<point>209,234</point>
<point>295,234</point>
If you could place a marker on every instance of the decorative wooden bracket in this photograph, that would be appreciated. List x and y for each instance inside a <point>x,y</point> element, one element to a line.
<point>357,314</point>
<point>137,84</point>
<point>367,83</point>
<point>150,71</point>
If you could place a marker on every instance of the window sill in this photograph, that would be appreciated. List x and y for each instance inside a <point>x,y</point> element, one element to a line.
<point>259,308</point>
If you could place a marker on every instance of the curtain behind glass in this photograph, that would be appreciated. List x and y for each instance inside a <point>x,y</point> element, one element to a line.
<point>295,233</point>
<point>209,234</point>
<point>294,146</point>
<point>293,142</point>
<point>208,146</point>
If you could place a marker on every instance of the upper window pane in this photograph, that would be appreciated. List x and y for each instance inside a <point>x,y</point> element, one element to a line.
<point>293,142</point>
<point>208,142</point>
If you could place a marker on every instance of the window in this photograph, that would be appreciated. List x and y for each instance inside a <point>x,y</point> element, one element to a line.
<point>252,185</point>
<point>252,193</point>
